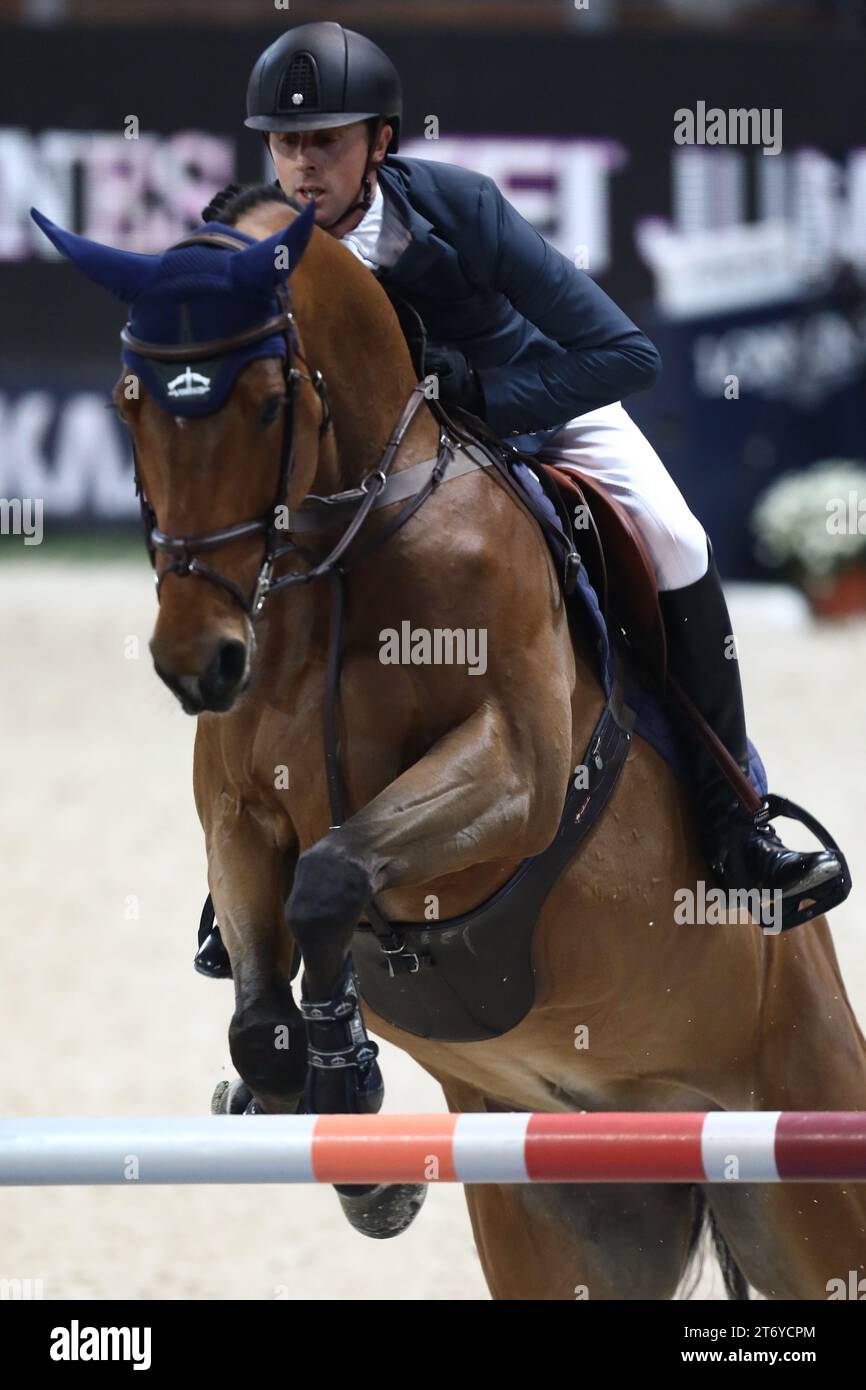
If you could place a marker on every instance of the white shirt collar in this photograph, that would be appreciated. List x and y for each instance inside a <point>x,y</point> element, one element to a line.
<point>381,236</point>
<point>363,240</point>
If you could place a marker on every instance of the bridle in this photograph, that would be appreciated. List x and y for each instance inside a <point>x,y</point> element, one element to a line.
<point>185,550</point>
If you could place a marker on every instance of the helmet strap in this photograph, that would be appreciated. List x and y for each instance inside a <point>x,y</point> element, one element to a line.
<point>366,199</point>
<point>365,202</point>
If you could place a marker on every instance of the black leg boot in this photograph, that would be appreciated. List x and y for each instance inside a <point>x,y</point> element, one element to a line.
<point>743,853</point>
<point>343,1076</point>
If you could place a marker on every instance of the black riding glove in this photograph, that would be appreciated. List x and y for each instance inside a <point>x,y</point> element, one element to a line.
<point>458,379</point>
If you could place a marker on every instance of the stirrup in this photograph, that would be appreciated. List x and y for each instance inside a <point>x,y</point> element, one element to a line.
<point>826,895</point>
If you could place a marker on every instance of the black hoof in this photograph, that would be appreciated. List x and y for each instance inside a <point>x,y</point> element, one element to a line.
<point>236,1098</point>
<point>384,1211</point>
<point>231,1098</point>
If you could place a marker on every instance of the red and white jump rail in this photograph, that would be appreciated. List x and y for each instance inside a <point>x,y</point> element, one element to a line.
<point>756,1146</point>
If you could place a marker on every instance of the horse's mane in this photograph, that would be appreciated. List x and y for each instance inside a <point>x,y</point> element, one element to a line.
<point>230,204</point>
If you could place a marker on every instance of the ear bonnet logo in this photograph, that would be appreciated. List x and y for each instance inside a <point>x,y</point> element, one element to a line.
<point>189,383</point>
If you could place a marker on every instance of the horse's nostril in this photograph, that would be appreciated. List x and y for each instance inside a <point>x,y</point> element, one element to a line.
<point>230,663</point>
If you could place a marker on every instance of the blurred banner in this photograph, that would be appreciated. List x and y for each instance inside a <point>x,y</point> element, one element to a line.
<point>745,261</point>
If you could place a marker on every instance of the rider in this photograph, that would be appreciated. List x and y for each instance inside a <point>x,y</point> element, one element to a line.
<point>526,341</point>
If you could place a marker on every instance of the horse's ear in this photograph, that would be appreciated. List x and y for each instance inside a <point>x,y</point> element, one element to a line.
<point>262,266</point>
<point>124,273</point>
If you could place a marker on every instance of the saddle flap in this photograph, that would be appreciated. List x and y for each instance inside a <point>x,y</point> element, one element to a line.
<point>631,588</point>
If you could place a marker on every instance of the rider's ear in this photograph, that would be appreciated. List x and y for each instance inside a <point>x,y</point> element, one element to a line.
<point>386,130</point>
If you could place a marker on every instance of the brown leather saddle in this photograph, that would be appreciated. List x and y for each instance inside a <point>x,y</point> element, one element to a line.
<point>622,574</point>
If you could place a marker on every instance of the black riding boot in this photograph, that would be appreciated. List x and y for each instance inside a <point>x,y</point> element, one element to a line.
<point>211,958</point>
<point>741,853</point>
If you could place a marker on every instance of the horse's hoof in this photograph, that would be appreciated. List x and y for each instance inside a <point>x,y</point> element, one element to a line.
<point>231,1098</point>
<point>384,1211</point>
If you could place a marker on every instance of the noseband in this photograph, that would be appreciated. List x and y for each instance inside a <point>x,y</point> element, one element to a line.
<point>185,550</point>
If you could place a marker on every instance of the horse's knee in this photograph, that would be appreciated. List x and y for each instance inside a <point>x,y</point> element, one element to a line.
<point>330,891</point>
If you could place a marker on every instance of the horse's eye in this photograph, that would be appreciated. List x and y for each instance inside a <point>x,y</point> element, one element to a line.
<point>270,409</point>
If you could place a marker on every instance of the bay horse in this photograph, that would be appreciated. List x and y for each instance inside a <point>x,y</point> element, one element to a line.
<point>451,779</point>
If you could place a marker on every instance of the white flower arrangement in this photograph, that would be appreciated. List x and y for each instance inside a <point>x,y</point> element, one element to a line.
<point>813,523</point>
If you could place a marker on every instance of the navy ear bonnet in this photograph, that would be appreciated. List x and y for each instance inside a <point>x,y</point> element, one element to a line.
<point>193,294</point>
<point>192,299</point>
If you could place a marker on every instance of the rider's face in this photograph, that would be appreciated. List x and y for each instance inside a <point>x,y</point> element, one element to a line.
<point>325,165</point>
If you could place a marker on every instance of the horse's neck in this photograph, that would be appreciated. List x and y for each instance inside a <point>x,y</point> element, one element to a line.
<point>356,342</point>
<point>350,333</point>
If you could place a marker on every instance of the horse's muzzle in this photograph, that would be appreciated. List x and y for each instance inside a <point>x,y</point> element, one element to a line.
<point>218,686</point>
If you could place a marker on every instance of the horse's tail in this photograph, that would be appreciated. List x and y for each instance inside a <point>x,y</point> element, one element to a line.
<point>704,1219</point>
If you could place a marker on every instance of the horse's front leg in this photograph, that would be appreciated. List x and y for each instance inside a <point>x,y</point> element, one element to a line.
<point>481,793</point>
<point>249,878</point>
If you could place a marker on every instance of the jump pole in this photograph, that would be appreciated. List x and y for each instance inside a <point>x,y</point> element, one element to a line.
<point>512,1147</point>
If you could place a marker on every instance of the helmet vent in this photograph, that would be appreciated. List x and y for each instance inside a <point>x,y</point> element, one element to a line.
<point>299,88</point>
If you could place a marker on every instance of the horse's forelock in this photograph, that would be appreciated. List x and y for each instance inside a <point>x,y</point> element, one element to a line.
<point>228,208</point>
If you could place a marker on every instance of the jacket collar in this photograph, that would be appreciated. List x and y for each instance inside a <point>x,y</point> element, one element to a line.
<point>425,246</point>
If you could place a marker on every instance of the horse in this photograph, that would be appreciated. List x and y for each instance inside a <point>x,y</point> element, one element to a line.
<point>452,777</point>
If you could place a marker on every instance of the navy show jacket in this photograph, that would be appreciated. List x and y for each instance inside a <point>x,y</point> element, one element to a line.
<point>547,343</point>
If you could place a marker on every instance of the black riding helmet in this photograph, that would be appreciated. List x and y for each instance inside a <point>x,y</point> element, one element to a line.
<point>317,76</point>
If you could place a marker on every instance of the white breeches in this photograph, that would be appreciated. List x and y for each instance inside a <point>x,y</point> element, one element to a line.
<point>608,444</point>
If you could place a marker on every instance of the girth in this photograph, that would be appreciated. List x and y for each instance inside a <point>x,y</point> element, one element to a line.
<point>471,977</point>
